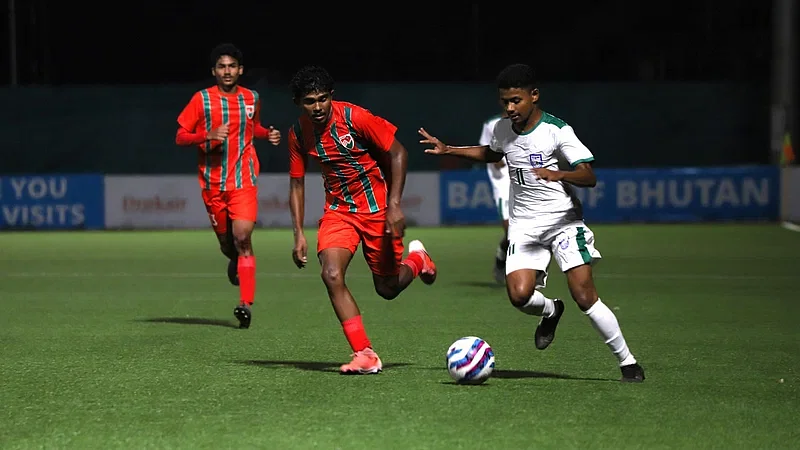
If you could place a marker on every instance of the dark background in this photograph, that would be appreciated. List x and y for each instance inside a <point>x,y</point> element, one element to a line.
<point>79,42</point>
<point>645,84</point>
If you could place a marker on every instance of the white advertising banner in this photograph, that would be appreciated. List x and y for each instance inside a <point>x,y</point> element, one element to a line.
<point>790,194</point>
<point>421,199</point>
<point>154,201</point>
<point>174,201</point>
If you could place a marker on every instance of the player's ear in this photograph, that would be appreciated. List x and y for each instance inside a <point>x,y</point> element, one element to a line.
<point>535,95</point>
<point>241,70</point>
<point>213,72</point>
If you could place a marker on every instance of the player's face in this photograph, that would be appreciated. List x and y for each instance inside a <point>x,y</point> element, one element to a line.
<point>317,105</point>
<point>227,71</point>
<point>518,104</point>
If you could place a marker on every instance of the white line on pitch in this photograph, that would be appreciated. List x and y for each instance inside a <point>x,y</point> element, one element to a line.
<point>791,226</point>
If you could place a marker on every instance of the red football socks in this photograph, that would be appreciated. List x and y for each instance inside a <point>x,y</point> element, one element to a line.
<point>247,279</point>
<point>414,262</point>
<point>355,334</point>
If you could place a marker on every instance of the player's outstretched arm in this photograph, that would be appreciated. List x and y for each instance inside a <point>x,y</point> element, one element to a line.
<point>480,153</point>
<point>297,206</point>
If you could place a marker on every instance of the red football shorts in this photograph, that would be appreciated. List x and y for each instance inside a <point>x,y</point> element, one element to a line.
<point>239,204</point>
<point>346,230</point>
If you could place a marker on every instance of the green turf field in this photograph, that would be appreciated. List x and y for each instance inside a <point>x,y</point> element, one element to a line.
<point>126,340</point>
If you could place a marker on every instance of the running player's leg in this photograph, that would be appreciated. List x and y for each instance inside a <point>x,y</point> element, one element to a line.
<point>391,274</point>
<point>216,208</point>
<point>502,247</point>
<point>526,268</point>
<point>575,253</point>
<point>229,250</point>
<point>500,191</point>
<point>337,240</point>
<point>224,231</point>
<point>243,212</point>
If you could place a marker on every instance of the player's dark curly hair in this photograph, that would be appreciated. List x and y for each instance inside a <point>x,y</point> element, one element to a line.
<point>520,76</point>
<point>225,49</point>
<point>310,79</point>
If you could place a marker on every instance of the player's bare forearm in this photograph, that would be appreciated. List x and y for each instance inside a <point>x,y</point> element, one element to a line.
<point>481,153</point>
<point>582,176</point>
<point>398,167</point>
<point>297,203</point>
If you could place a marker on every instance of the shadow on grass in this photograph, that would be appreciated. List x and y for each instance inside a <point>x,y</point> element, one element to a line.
<point>191,321</point>
<point>316,366</point>
<point>518,374</point>
<point>453,383</point>
<point>484,284</point>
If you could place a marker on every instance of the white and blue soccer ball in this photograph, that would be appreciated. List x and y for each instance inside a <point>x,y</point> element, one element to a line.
<point>470,360</point>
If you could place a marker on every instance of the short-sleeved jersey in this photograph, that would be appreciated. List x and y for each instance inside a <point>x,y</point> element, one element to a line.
<point>233,163</point>
<point>549,142</point>
<point>495,173</point>
<point>346,148</point>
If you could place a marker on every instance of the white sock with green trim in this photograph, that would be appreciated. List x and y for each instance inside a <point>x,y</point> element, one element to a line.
<point>605,322</point>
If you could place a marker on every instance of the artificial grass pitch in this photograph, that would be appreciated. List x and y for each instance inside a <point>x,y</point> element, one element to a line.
<point>127,340</point>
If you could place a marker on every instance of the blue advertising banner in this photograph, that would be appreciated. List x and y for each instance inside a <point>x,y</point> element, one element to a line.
<point>465,197</point>
<point>33,202</point>
<point>638,195</point>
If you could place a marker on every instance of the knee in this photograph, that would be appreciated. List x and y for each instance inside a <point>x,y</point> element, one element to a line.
<point>584,297</point>
<point>519,293</point>
<point>227,249</point>
<point>387,291</point>
<point>241,238</point>
<point>332,277</point>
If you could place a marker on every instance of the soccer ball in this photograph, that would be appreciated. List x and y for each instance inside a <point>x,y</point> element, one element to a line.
<point>470,360</point>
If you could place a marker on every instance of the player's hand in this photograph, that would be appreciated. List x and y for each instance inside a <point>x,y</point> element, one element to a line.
<point>300,251</point>
<point>548,175</point>
<point>439,147</point>
<point>274,136</point>
<point>218,134</point>
<point>395,222</point>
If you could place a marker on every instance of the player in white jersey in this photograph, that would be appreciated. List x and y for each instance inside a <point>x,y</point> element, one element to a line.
<point>498,176</point>
<point>545,216</point>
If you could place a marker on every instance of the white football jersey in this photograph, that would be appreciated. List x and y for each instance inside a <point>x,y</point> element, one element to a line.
<point>549,143</point>
<point>495,174</point>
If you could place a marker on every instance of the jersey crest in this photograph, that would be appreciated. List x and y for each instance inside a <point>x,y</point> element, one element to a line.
<point>347,141</point>
<point>250,110</point>
<point>537,160</point>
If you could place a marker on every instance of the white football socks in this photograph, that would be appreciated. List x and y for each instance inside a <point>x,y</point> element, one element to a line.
<point>539,305</point>
<point>605,322</point>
